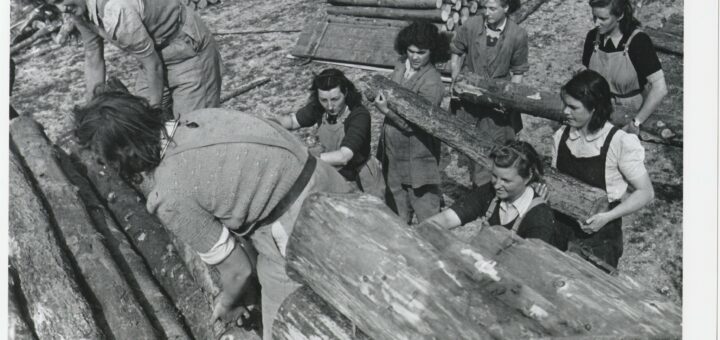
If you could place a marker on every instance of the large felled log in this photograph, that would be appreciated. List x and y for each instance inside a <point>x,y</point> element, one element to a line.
<point>17,322</point>
<point>44,272</point>
<point>508,96</point>
<point>361,258</point>
<point>117,301</point>
<point>666,41</point>
<point>387,13</point>
<point>527,8</point>
<point>164,314</point>
<point>410,4</point>
<point>306,316</point>
<point>570,196</point>
<point>570,289</point>
<point>189,283</point>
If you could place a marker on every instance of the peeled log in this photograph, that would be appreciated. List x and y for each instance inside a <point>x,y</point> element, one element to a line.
<point>362,259</point>
<point>508,96</point>
<point>185,278</point>
<point>306,316</point>
<point>572,291</point>
<point>527,8</point>
<point>44,273</point>
<point>411,4</point>
<point>387,13</point>
<point>570,196</point>
<point>166,316</point>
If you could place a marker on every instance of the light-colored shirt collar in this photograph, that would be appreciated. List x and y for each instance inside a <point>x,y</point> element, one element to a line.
<point>170,128</point>
<point>499,29</point>
<point>409,71</point>
<point>521,204</point>
<point>615,40</point>
<point>575,133</point>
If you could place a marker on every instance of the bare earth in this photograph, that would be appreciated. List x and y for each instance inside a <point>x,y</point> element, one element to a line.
<point>50,83</point>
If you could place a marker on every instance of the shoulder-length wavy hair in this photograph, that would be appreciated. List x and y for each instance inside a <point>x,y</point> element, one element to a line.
<point>123,129</point>
<point>593,91</point>
<point>620,9</point>
<point>331,78</point>
<point>521,156</point>
<point>424,35</point>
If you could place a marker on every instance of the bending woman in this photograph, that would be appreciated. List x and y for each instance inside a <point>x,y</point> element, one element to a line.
<point>594,151</point>
<point>509,200</point>
<point>344,129</point>
<point>625,56</point>
<point>410,157</point>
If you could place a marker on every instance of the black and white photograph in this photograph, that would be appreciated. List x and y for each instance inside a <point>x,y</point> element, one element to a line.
<point>361,169</point>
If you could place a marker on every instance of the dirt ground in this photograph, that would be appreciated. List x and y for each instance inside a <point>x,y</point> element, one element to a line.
<point>50,82</point>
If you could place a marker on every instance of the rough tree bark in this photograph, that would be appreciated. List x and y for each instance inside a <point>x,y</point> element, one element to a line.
<point>411,4</point>
<point>17,322</point>
<point>570,196</point>
<point>578,295</point>
<point>166,317</point>
<point>507,96</point>
<point>190,283</point>
<point>387,13</point>
<point>306,316</point>
<point>361,258</point>
<point>44,272</point>
<point>119,306</point>
<point>527,8</point>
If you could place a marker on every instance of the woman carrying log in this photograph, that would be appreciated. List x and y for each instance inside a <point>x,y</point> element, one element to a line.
<point>344,129</point>
<point>509,200</point>
<point>410,157</point>
<point>179,60</point>
<point>222,173</point>
<point>494,47</point>
<point>623,54</point>
<point>591,149</point>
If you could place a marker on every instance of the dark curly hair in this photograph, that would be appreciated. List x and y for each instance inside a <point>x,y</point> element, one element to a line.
<point>124,129</point>
<point>331,78</point>
<point>593,91</point>
<point>424,35</point>
<point>522,156</point>
<point>619,8</point>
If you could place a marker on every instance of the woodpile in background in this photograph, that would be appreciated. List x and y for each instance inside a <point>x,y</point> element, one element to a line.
<point>199,4</point>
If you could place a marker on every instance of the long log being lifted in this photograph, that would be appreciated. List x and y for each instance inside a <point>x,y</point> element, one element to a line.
<point>361,258</point>
<point>306,316</point>
<point>570,196</point>
<point>187,280</point>
<point>434,15</point>
<point>411,4</point>
<point>119,305</point>
<point>527,8</point>
<point>661,126</point>
<point>44,272</point>
<point>579,295</point>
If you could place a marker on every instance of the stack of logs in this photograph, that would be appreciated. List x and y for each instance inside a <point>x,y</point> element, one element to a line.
<point>448,14</point>
<point>199,4</point>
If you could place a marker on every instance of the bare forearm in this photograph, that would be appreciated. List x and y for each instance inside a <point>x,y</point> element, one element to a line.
<point>652,101</point>
<point>154,74</point>
<point>455,65</point>
<point>94,73</point>
<point>632,203</point>
<point>338,157</point>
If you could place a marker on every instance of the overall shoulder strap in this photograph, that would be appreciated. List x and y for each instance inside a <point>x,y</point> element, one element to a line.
<point>534,203</point>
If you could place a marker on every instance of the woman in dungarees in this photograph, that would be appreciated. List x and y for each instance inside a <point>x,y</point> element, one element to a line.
<point>625,56</point>
<point>594,151</point>
<point>509,200</point>
<point>410,157</point>
<point>344,129</point>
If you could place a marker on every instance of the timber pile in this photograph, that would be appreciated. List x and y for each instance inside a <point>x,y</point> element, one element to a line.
<point>400,282</point>
<point>199,4</point>
<point>364,31</point>
<point>663,126</point>
<point>114,271</point>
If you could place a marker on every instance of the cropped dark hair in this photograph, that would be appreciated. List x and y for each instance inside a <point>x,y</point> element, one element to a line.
<point>513,5</point>
<point>123,129</point>
<point>593,91</point>
<point>424,35</point>
<point>331,78</point>
<point>619,8</point>
<point>521,156</point>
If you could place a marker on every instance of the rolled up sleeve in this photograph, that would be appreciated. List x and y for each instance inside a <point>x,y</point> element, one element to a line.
<point>631,161</point>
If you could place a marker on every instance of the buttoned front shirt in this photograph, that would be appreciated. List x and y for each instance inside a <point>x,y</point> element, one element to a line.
<point>509,211</point>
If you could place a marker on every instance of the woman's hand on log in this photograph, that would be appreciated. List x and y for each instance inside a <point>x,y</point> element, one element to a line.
<point>381,103</point>
<point>541,190</point>
<point>631,128</point>
<point>235,273</point>
<point>594,223</point>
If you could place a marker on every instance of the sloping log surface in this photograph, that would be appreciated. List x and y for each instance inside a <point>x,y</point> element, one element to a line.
<point>44,277</point>
<point>527,8</point>
<point>577,294</point>
<point>362,259</point>
<point>164,314</point>
<point>17,322</point>
<point>387,13</point>
<point>120,308</point>
<point>306,316</point>
<point>570,196</point>
<point>190,284</point>
<point>665,41</point>
<point>411,4</point>
<point>662,125</point>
